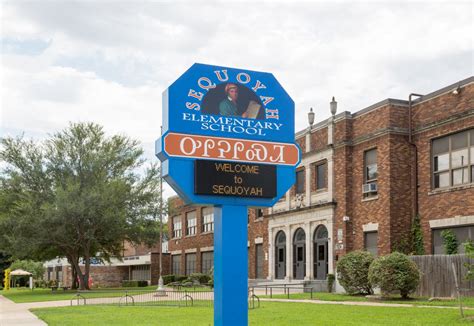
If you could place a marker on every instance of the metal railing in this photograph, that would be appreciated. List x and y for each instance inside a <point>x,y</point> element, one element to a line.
<point>285,289</point>
<point>186,298</point>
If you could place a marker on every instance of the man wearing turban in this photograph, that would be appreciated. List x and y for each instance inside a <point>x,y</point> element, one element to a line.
<point>228,106</point>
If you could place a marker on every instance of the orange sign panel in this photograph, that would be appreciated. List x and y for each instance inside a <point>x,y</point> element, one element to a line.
<point>230,149</point>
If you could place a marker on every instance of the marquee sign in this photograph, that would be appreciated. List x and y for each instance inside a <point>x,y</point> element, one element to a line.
<point>228,141</point>
<point>226,114</point>
<point>234,179</point>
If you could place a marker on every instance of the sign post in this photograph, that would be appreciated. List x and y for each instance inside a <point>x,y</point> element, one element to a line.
<point>228,141</point>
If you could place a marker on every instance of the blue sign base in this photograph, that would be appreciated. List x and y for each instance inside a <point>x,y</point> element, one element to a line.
<point>230,265</point>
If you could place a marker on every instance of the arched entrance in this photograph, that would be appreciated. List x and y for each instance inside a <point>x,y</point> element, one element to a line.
<point>299,255</point>
<point>280,255</point>
<point>320,253</point>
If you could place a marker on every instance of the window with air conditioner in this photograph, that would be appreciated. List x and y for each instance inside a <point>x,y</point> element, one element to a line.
<point>369,187</point>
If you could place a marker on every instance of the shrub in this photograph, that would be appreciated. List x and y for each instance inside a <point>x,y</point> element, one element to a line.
<point>353,270</point>
<point>331,280</point>
<point>132,284</point>
<point>469,249</point>
<point>199,277</point>
<point>180,278</point>
<point>450,242</point>
<point>394,272</point>
<point>168,279</point>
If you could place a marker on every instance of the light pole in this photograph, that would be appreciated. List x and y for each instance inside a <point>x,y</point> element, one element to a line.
<point>161,289</point>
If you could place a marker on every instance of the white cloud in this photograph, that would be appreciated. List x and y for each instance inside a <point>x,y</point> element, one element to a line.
<point>109,61</point>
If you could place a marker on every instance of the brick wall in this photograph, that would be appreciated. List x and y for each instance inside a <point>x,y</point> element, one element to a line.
<point>155,266</point>
<point>441,116</point>
<point>258,228</point>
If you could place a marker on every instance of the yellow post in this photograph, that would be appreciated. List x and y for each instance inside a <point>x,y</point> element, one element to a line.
<point>6,280</point>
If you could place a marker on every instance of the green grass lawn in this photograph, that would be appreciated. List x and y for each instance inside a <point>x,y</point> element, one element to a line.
<point>22,295</point>
<point>467,301</point>
<point>269,313</point>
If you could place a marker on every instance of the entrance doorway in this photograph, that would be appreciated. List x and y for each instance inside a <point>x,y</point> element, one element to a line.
<point>280,255</point>
<point>299,255</point>
<point>320,253</point>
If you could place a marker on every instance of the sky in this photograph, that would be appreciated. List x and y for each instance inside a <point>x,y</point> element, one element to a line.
<point>109,61</point>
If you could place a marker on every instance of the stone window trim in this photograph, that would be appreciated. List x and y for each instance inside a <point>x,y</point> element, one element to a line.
<point>370,198</point>
<point>452,222</point>
<point>370,227</point>
<point>450,189</point>
<point>446,146</point>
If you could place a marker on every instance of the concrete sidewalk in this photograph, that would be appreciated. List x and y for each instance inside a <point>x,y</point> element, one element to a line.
<point>17,314</point>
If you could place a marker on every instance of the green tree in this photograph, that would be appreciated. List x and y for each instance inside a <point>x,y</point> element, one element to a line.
<point>469,249</point>
<point>394,272</point>
<point>450,242</point>
<point>4,263</point>
<point>353,271</point>
<point>34,267</point>
<point>79,194</point>
<point>417,236</point>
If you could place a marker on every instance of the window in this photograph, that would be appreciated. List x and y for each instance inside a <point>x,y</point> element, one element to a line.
<point>299,181</point>
<point>207,261</point>
<point>453,159</point>
<point>321,175</point>
<point>141,273</point>
<point>370,168</point>
<point>207,219</point>
<point>176,264</point>
<point>370,242</point>
<point>191,223</point>
<point>50,273</point>
<point>59,273</point>
<point>258,213</point>
<point>463,234</point>
<point>190,264</point>
<point>177,227</point>
<point>259,261</point>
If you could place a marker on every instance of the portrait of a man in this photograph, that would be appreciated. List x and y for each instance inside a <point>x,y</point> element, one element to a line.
<point>233,100</point>
<point>228,106</point>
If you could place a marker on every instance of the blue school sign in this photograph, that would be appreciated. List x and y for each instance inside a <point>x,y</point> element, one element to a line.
<point>228,141</point>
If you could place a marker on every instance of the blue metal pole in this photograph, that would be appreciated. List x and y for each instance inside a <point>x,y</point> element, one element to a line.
<point>230,265</point>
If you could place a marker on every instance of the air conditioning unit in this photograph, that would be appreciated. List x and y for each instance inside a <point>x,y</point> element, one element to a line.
<point>369,188</point>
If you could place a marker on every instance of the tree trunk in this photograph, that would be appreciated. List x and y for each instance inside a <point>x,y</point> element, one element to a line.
<point>74,281</point>
<point>80,275</point>
<point>74,284</point>
<point>87,271</point>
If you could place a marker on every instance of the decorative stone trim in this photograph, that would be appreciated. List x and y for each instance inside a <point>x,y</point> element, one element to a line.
<point>191,250</point>
<point>258,240</point>
<point>207,249</point>
<point>176,252</point>
<point>452,221</point>
<point>370,227</point>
